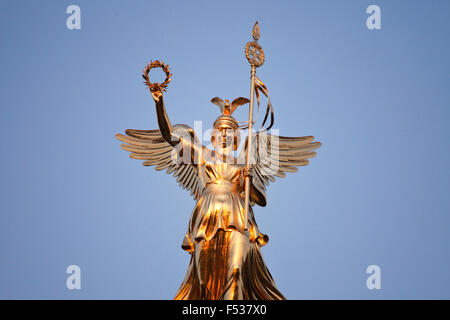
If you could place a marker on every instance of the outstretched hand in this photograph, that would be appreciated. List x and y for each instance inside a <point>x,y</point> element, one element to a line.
<point>157,95</point>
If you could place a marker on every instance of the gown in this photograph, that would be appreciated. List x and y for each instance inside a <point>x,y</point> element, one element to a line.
<point>226,262</point>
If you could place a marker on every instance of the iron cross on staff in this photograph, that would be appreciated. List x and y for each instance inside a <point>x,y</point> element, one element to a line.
<point>255,56</point>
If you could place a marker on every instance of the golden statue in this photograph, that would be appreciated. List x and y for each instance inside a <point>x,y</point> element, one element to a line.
<point>223,238</point>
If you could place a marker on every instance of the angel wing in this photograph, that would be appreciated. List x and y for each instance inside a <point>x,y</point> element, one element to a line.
<point>149,145</point>
<point>272,156</point>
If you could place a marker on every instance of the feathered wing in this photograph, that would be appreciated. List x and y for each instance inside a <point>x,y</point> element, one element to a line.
<point>218,102</point>
<point>272,156</point>
<point>238,102</point>
<point>149,145</point>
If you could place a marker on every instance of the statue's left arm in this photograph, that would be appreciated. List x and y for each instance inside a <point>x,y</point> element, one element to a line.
<point>257,196</point>
<point>274,156</point>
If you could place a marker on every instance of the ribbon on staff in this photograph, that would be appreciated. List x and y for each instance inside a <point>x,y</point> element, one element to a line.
<point>261,87</point>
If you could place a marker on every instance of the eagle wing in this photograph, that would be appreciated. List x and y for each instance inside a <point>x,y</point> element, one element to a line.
<point>238,102</point>
<point>219,102</point>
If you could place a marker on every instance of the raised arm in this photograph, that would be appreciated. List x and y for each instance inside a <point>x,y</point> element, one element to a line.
<point>163,119</point>
<point>198,152</point>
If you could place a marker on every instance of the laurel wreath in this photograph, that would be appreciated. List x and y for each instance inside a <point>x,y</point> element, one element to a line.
<point>156,86</point>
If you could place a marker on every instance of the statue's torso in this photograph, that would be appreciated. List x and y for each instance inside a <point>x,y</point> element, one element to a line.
<point>221,178</point>
<point>221,205</point>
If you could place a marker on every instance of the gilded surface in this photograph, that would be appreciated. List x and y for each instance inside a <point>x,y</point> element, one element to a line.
<point>222,238</point>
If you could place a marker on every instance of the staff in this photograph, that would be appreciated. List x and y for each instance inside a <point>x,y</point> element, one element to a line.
<point>255,57</point>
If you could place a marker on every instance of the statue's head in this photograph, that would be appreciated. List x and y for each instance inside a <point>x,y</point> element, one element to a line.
<point>225,136</point>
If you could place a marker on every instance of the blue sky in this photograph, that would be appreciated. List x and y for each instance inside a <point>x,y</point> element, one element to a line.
<point>378,100</point>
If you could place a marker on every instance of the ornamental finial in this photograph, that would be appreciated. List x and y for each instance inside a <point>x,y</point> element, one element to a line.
<point>255,32</point>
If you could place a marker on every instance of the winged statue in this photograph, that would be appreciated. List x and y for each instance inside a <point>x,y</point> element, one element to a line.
<point>225,257</point>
